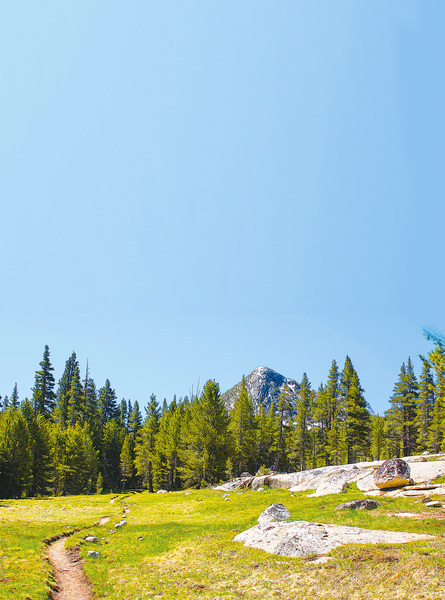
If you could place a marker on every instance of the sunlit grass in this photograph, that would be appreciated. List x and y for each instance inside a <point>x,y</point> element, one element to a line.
<point>187,550</point>
<point>24,524</point>
<point>181,545</point>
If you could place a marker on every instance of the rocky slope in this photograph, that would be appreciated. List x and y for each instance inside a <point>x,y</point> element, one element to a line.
<point>263,386</point>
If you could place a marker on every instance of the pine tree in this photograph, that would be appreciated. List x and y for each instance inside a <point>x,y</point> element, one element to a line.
<point>41,449</point>
<point>123,410</point>
<point>63,391</point>
<point>267,436</point>
<point>332,395</point>
<point>43,391</point>
<point>145,443</point>
<point>76,400</point>
<point>320,429</point>
<point>404,401</point>
<point>206,444</point>
<point>166,463</point>
<point>92,414</point>
<point>243,428</point>
<point>357,422</point>
<point>436,434</point>
<point>425,406</point>
<point>80,460</point>
<point>112,441</point>
<point>134,421</point>
<point>284,407</point>
<point>300,435</point>
<point>378,437</point>
<point>126,462</point>
<point>107,402</point>
<point>14,401</point>
<point>15,454</point>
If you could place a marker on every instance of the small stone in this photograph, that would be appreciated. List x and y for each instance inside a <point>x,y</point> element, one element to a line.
<point>433,504</point>
<point>161,492</point>
<point>91,538</point>
<point>140,537</point>
<point>93,553</point>
<point>426,499</point>
<point>112,531</point>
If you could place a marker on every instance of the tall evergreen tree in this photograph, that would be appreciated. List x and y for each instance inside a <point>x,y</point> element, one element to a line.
<point>243,429</point>
<point>378,438</point>
<point>76,400</point>
<point>41,449</point>
<point>15,454</point>
<point>166,464</point>
<point>403,412</point>
<point>145,443</point>
<point>267,437</point>
<point>425,406</point>
<point>63,391</point>
<point>356,417</point>
<point>284,407</point>
<point>43,391</point>
<point>206,443</point>
<point>126,462</point>
<point>134,421</point>
<point>14,400</point>
<point>107,402</point>
<point>436,433</point>
<point>300,440</point>
<point>112,440</point>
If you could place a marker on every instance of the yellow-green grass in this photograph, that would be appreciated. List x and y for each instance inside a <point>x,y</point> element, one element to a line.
<point>25,524</point>
<point>187,548</point>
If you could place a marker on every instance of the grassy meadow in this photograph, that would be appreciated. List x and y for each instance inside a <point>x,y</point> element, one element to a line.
<point>179,545</point>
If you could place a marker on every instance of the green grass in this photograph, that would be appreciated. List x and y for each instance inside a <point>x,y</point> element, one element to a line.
<point>187,548</point>
<point>24,525</point>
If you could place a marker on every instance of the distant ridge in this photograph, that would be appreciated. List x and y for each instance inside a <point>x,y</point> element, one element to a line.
<point>264,386</point>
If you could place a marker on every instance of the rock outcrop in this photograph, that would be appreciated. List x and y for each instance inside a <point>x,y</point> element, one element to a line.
<point>333,479</point>
<point>273,513</point>
<point>301,538</point>
<point>394,472</point>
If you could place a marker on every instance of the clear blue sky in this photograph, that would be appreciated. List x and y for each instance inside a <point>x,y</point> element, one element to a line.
<point>190,190</point>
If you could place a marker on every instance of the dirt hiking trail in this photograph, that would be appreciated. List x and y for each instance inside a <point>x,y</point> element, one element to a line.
<point>72,583</point>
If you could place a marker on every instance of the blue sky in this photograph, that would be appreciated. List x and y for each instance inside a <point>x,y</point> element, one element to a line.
<point>192,190</point>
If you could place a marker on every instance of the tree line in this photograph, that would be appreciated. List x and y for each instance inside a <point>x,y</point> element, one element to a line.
<point>77,439</point>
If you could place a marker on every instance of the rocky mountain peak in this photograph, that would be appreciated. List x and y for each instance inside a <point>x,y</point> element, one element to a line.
<point>264,386</point>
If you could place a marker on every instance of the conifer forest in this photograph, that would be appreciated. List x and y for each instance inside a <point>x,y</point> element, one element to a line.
<point>73,438</point>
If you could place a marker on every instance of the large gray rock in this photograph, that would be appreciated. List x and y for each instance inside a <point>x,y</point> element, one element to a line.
<point>394,472</point>
<point>330,480</point>
<point>274,512</point>
<point>301,538</point>
<point>363,504</point>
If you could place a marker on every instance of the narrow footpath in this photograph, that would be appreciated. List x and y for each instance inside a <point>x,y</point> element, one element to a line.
<point>72,583</point>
